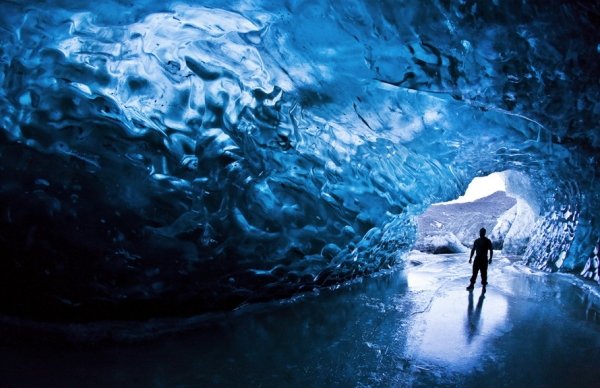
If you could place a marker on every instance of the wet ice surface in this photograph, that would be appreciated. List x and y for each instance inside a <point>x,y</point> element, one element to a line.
<point>411,327</point>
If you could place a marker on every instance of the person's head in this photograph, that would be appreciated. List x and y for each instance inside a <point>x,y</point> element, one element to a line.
<point>482,232</point>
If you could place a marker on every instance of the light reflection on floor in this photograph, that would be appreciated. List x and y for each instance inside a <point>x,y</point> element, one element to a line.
<point>454,328</point>
<point>457,338</point>
<point>413,327</point>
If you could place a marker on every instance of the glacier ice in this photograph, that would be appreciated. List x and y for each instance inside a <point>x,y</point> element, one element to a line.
<point>180,158</point>
<point>515,227</point>
<point>440,242</point>
<point>452,227</point>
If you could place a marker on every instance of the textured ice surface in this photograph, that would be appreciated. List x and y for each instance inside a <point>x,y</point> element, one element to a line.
<point>521,223</point>
<point>416,327</point>
<point>169,157</point>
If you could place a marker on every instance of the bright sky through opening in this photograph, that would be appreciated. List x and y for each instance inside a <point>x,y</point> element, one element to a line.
<point>482,187</point>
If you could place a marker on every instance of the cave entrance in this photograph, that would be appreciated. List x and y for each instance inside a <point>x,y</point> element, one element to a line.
<point>498,202</point>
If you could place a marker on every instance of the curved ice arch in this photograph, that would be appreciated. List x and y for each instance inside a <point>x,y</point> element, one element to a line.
<point>195,158</point>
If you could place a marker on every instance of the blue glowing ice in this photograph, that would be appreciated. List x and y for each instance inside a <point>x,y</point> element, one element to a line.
<point>178,158</point>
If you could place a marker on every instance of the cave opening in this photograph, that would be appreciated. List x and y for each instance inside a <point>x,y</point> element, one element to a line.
<point>501,202</point>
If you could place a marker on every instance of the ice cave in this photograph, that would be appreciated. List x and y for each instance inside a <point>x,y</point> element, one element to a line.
<point>264,193</point>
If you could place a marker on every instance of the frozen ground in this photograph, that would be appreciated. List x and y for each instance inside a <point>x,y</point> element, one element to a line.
<point>411,327</point>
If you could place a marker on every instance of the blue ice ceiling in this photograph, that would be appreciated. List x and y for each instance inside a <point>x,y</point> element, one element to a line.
<point>177,157</point>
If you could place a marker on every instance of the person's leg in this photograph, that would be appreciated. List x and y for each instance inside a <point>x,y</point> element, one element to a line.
<point>483,269</point>
<point>475,270</point>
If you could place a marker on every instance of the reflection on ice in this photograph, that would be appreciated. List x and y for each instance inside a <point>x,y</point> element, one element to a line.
<point>411,327</point>
<point>473,317</point>
<point>455,327</point>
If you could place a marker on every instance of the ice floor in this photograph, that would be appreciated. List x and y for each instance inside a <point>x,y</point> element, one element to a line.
<point>412,327</point>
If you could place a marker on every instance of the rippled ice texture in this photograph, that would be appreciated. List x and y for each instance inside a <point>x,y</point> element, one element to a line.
<point>177,157</point>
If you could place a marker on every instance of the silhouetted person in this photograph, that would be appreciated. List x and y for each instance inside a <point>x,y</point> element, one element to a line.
<point>480,248</point>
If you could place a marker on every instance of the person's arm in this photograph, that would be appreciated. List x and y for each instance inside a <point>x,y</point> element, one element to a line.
<point>491,253</point>
<point>472,251</point>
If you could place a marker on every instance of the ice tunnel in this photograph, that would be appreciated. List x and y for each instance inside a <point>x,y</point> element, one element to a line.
<point>177,157</point>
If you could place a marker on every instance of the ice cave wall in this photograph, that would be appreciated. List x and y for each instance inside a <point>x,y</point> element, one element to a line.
<point>182,157</point>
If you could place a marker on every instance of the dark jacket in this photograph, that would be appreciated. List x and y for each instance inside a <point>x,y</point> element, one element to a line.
<point>481,246</point>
